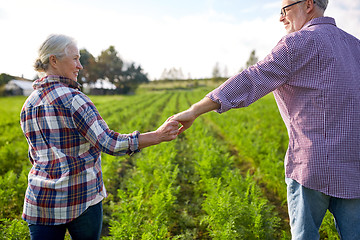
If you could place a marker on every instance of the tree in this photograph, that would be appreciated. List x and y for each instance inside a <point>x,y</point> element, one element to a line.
<point>253,59</point>
<point>226,72</point>
<point>172,74</point>
<point>90,71</point>
<point>135,74</point>
<point>110,64</point>
<point>216,75</point>
<point>5,78</point>
<point>131,78</point>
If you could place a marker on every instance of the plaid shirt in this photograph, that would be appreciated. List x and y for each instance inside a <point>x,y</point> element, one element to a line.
<point>315,76</point>
<point>66,136</point>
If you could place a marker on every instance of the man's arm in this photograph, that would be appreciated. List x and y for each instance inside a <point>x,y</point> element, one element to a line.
<point>187,117</point>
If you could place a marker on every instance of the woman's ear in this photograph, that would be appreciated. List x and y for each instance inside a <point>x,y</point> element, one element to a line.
<point>53,61</point>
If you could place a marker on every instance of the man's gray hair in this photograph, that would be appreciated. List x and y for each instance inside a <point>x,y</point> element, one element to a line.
<point>322,4</point>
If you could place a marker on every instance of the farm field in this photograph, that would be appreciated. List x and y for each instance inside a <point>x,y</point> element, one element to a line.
<point>221,179</point>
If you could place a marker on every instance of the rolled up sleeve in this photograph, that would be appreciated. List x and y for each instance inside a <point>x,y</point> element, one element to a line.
<point>255,82</point>
<point>94,129</point>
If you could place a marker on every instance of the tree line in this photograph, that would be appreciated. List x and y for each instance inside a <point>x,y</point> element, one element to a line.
<point>218,74</point>
<point>108,65</point>
<point>126,76</point>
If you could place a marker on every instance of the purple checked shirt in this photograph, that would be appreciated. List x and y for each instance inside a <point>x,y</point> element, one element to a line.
<point>66,136</point>
<point>314,74</point>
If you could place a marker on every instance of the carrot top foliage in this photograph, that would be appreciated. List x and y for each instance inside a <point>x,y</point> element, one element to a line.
<point>220,179</point>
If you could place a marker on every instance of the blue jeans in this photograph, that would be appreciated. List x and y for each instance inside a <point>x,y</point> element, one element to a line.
<point>307,209</point>
<point>86,227</point>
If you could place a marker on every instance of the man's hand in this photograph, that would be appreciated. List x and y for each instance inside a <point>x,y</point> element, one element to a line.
<point>185,118</point>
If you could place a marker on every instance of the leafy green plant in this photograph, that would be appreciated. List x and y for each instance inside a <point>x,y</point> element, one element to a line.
<point>14,229</point>
<point>12,192</point>
<point>196,187</point>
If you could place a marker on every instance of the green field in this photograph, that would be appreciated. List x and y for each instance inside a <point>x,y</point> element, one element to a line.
<point>221,179</point>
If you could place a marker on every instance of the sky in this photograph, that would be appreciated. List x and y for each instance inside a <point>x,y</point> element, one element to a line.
<point>193,35</point>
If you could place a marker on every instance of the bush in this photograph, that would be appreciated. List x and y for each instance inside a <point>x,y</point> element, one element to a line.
<point>12,192</point>
<point>14,229</point>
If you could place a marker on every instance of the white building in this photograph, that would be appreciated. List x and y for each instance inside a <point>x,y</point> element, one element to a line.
<point>19,87</point>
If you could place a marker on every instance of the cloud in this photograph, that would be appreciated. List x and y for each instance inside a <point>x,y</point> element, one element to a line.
<point>346,14</point>
<point>272,5</point>
<point>194,42</point>
<point>2,14</point>
<point>197,43</point>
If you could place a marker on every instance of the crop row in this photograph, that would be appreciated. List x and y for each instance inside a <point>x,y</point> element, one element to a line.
<point>195,187</point>
<point>259,137</point>
<point>187,189</point>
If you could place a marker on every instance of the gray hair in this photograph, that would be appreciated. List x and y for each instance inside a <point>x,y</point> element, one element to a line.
<point>322,4</point>
<point>55,44</point>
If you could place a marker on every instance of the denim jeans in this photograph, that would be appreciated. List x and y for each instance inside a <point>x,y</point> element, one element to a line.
<point>307,209</point>
<point>86,227</point>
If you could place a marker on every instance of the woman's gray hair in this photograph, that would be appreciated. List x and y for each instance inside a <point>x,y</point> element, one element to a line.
<point>55,44</point>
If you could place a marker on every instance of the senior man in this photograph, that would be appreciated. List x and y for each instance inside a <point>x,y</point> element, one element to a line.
<point>314,73</point>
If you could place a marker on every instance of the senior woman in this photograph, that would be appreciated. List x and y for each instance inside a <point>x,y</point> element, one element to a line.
<point>66,136</point>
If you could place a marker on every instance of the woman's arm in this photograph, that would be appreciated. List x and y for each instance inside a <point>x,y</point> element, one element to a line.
<point>166,132</point>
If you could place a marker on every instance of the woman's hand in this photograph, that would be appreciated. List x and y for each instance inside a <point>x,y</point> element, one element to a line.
<point>168,131</point>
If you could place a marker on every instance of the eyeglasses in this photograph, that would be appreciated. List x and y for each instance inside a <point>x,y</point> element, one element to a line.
<point>283,12</point>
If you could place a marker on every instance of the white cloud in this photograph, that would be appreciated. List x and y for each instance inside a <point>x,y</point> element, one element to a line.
<point>272,5</point>
<point>195,43</point>
<point>346,14</point>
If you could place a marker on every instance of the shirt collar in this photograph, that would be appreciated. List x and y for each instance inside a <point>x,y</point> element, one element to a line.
<point>40,83</point>
<point>320,20</point>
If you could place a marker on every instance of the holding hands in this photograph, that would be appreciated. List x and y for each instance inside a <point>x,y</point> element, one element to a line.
<point>170,128</point>
<point>187,117</point>
<point>166,132</point>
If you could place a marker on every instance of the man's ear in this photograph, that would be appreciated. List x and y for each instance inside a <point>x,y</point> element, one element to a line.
<point>309,6</point>
<point>53,61</point>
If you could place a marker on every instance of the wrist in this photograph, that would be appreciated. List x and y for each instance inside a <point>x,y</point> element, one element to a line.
<point>148,139</point>
<point>195,110</point>
<point>156,136</point>
<point>203,106</point>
